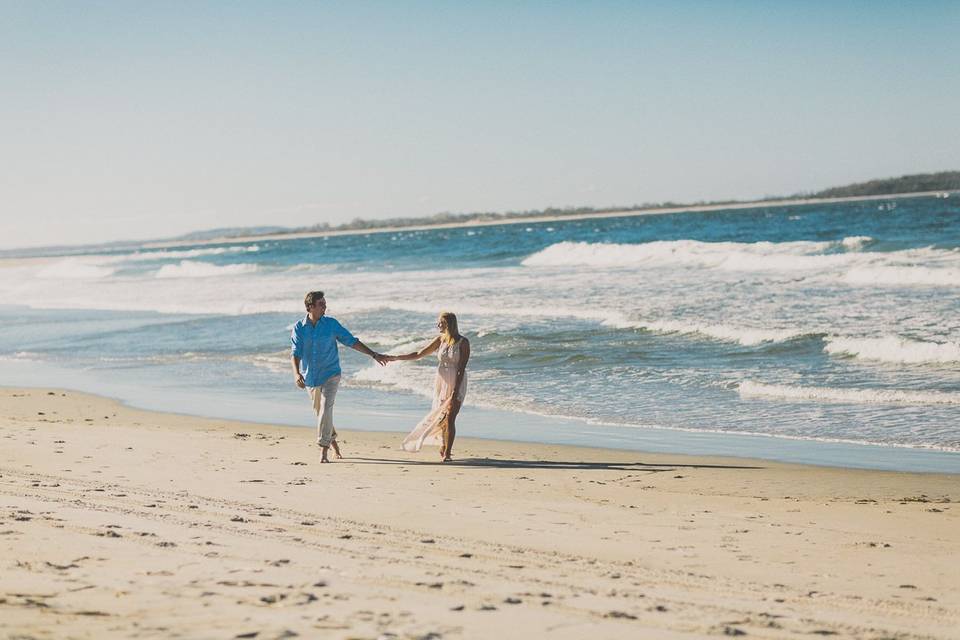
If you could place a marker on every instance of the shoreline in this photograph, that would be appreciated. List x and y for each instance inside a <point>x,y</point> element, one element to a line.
<point>118,522</point>
<point>624,213</point>
<point>385,410</point>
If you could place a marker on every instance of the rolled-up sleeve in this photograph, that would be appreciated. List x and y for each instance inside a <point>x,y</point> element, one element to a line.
<point>344,337</point>
<point>296,342</point>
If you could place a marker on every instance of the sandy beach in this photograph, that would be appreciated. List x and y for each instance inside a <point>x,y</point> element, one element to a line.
<point>116,522</point>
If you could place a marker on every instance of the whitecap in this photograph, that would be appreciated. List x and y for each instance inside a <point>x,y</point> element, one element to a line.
<point>855,243</point>
<point>74,269</point>
<point>727,255</point>
<point>749,388</point>
<point>893,349</point>
<point>747,336</point>
<point>904,276</point>
<point>194,269</point>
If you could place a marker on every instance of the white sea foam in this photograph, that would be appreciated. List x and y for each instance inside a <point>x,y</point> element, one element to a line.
<point>74,269</point>
<point>395,341</point>
<point>744,335</point>
<point>749,388</point>
<point>904,276</point>
<point>184,253</point>
<point>194,269</point>
<point>405,376</point>
<point>734,256</point>
<point>894,349</point>
<point>844,260</point>
<point>276,362</point>
<point>855,243</point>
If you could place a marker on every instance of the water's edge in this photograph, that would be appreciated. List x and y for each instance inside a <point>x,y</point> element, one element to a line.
<point>373,410</point>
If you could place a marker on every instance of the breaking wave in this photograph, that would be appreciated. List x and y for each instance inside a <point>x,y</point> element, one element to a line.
<point>860,396</point>
<point>904,276</point>
<point>194,269</point>
<point>744,335</point>
<point>845,257</point>
<point>74,269</point>
<point>894,349</point>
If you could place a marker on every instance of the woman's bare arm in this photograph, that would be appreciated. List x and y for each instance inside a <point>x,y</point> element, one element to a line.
<point>416,355</point>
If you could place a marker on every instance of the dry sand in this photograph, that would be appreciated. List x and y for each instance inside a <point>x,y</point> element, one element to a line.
<point>116,522</point>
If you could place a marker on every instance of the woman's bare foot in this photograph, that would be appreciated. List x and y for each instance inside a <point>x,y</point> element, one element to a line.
<point>447,458</point>
<point>323,454</point>
<point>336,449</point>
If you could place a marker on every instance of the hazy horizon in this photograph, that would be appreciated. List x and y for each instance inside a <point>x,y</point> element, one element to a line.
<point>132,122</point>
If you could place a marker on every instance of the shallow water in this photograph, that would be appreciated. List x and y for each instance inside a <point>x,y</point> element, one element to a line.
<point>834,323</point>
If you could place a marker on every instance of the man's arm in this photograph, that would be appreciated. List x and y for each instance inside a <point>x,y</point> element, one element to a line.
<point>362,348</point>
<point>297,376</point>
<point>295,353</point>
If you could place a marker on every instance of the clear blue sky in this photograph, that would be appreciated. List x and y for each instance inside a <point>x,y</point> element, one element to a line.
<point>124,120</point>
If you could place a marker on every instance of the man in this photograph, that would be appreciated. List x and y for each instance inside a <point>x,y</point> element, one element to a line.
<point>316,362</point>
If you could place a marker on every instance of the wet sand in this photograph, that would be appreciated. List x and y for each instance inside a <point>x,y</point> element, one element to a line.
<point>116,522</point>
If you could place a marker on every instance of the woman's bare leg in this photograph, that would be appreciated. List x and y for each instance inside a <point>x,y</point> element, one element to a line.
<point>450,433</point>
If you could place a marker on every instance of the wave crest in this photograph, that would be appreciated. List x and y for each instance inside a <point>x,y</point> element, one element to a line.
<point>894,276</point>
<point>749,388</point>
<point>194,269</point>
<point>746,336</point>
<point>894,349</point>
<point>74,269</point>
<point>693,252</point>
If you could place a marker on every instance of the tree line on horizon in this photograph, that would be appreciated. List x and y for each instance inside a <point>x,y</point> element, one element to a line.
<point>917,183</point>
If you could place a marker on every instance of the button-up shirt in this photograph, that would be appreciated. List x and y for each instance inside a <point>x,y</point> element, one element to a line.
<point>316,346</point>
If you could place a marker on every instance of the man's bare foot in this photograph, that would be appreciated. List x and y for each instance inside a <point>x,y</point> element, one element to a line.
<point>336,449</point>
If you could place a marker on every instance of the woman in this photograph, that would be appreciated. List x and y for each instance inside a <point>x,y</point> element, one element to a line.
<point>453,350</point>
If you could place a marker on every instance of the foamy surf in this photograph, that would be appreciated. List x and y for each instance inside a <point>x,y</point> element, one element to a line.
<point>743,335</point>
<point>844,258</point>
<point>904,276</point>
<point>194,269</point>
<point>894,349</point>
<point>74,269</point>
<point>668,252</point>
<point>749,388</point>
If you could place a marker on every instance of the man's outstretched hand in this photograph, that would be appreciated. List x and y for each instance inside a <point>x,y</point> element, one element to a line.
<point>381,358</point>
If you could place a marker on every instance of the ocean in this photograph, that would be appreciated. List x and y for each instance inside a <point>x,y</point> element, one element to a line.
<point>829,330</point>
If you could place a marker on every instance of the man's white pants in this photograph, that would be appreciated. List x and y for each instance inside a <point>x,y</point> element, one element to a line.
<point>323,397</point>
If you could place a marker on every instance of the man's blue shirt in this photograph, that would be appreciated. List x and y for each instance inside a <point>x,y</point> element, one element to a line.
<point>316,346</point>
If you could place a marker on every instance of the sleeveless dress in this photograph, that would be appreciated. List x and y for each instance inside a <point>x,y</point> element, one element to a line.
<point>430,430</point>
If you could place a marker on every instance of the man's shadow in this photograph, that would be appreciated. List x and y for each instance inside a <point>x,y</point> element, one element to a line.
<point>580,465</point>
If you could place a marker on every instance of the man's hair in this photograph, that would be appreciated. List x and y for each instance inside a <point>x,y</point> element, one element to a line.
<point>312,297</point>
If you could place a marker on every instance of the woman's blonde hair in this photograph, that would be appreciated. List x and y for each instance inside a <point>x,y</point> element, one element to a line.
<point>450,319</point>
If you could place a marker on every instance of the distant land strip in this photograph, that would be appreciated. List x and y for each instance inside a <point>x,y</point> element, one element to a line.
<point>912,186</point>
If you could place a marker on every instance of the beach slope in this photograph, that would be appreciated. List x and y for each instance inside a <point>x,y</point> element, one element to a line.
<point>116,522</point>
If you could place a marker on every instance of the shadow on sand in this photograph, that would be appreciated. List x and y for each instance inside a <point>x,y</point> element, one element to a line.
<point>500,463</point>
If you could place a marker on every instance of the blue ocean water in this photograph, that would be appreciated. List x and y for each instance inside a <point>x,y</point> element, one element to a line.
<point>818,323</point>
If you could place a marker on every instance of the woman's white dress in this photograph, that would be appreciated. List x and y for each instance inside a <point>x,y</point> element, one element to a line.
<point>430,430</point>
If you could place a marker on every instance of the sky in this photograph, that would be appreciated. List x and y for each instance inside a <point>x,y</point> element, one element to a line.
<point>138,120</point>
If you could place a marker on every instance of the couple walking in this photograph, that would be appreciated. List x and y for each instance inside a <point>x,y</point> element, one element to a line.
<point>315,357</point>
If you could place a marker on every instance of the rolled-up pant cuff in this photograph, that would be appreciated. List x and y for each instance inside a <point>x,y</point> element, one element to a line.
<point>323,398</point>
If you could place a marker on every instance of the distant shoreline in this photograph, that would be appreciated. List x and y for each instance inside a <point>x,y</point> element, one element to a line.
<point>621,213</point>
